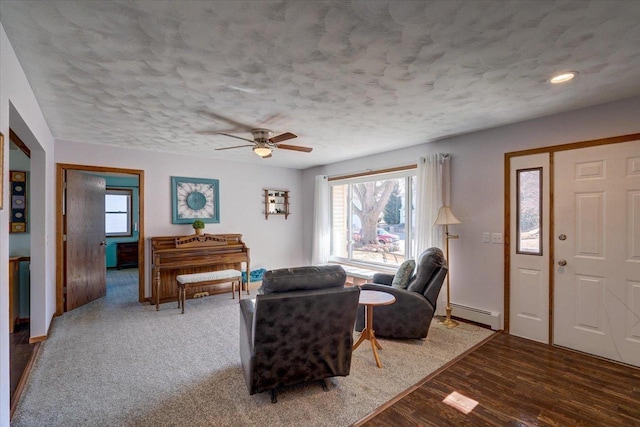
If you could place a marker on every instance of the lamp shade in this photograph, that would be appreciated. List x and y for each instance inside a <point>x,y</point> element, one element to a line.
<point>446,217</point>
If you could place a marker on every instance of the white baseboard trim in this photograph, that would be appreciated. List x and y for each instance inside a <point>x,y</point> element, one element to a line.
<point>485,317</point>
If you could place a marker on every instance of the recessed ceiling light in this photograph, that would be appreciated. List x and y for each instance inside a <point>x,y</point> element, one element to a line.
<point>563,77</point>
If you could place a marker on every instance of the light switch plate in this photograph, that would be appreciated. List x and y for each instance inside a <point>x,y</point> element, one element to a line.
<point>486,237</point>
<point>496,238</point>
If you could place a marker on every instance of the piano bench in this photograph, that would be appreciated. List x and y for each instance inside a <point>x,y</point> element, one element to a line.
<point>208,278</point>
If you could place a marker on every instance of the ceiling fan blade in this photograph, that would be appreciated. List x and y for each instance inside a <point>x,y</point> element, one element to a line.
<point>236,146</point>
<point>295,148</point>
<point>237,137</point>
<point>237,124</point>
<point>215,132</point>
<point>283,137</point>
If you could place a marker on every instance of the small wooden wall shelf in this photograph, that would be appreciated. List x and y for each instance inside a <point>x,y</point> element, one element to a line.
<point>276,202</point>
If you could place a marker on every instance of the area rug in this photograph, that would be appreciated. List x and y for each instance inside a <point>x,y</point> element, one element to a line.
<point>115,362</point>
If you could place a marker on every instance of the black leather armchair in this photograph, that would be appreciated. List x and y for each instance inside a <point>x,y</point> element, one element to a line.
<point>410,316</point>
<point>300,329</point>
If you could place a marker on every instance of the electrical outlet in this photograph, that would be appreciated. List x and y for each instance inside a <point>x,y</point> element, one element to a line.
<point>496,238</point>
<point>486,237</point>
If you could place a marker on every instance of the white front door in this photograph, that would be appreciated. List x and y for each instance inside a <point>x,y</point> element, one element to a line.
<point>529,247</point>
<point>597,251</point>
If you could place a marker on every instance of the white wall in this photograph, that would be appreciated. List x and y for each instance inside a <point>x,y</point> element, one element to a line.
<point>19,109</point>
<point>477,187</point>
<point>274,243</point>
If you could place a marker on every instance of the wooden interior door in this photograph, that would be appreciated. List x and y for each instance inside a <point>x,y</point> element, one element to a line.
<point>85,262</point>
<point>597,251</point>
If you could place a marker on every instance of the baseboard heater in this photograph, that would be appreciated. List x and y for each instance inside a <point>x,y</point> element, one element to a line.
<point>489,318</point>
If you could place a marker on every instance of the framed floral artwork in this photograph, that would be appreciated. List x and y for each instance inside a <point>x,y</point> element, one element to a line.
<point>195,198</point>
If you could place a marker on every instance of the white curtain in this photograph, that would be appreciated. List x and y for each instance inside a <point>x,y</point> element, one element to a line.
<point>321,224</point>
<point>432,192</point>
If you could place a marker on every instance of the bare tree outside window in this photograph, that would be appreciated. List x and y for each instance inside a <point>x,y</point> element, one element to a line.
<point>369,202</point>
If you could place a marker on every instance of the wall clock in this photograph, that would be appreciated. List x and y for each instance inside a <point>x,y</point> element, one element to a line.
<point>194,198</point>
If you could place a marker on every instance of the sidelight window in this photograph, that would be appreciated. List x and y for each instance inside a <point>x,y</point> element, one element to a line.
<point>529,213</point>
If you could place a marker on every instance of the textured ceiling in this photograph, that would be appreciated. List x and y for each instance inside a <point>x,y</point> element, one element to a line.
<point>351,78</point>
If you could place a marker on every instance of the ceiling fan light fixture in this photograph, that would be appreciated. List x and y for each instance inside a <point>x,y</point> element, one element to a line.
<point>262,150</point>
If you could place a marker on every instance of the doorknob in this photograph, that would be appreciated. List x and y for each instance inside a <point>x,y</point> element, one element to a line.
<point>562,237</point>
<point>562,263</point>
<point>103,243</point>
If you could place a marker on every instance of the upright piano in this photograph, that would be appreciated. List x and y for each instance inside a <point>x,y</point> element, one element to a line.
<point>174,255</point>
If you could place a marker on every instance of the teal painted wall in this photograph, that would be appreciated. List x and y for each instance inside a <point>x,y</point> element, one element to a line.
<point>128,183</point>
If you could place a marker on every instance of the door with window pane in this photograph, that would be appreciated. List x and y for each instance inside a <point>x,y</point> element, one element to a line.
<point>529,254</point>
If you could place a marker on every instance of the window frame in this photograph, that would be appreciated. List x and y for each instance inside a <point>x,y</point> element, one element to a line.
<point>410,176</point>
<point>519,250</point>
<point>121,191</point>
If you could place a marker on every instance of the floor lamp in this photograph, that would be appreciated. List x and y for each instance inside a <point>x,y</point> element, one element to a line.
<point>446,218</point>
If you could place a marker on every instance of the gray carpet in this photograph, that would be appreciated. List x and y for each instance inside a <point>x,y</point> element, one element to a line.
<point>115,362</point>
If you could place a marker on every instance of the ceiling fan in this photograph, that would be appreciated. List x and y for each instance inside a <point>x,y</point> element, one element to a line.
<point>264,142</point>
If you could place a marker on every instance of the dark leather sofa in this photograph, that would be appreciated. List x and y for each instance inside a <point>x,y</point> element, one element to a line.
<point>410,316</point>
<point>299,329</point>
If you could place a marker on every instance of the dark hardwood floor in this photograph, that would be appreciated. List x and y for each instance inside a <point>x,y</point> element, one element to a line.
<point>20,353</point>
<point>518,382</point>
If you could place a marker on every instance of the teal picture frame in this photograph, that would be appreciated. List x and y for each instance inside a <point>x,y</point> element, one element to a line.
<point>195,198</point>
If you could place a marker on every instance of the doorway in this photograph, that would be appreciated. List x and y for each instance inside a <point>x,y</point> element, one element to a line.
<point>21,349</point>
<point>586,290</point>
<point>62,280</point>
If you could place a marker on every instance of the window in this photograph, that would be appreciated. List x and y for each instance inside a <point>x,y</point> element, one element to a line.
<point>529,219</point>
<point>117,205</point>
<point>372,218</point>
